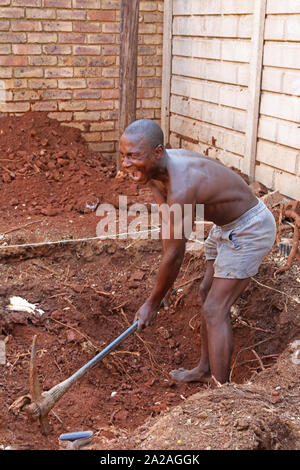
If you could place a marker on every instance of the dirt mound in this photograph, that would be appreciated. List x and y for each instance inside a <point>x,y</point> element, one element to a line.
<point>47,168</point>
<point>255,416</point>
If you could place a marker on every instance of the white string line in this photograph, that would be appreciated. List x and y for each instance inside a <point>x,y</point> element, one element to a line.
<point>74,240</point>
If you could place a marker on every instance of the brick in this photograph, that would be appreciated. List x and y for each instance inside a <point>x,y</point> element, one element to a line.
<point>26,49</point>
<point>5,49</point>
<point>40,13</point>
<point>110,94</point>
<point>42,60</point>
<point>101,83</point>
<point>110,4</point>
<point>103,147</point>
<point>147,28</point>
<point>16,84</point>
<point>111,27</point>
<point>71,14</point>
<point>109,136</point>
<point>87,116</point>
<point>146,50</point>
<point>14,107</point>
<point>4,25</point>
<point>152,39</point>
<point>87,94</point>
<point>151,82</point>
<point>13,61</point>
<point>59,72</point>
<point>58,26</point>
<point>13,37</point>
<point>111,72</point>
<point>110,50</point>
<point>71,38</point>
<point>58,3</point>
<point>102,126</point>
<point>29,72</point>
<point>86,50</point>
<point>42,84</point>
<point>5,95</point>
<point>26,26</point>
<point>92,136</point>
<point>61,116</point>
<point>25,95</point>
<point>86,27</point>
<point>44,106</point>
<point>88,72</point>
<point>27,3</point>
<point>147,5</point>
<point>57,49</point>
<point>88,4</point>
<point>100,15</point>
<point>72,106</point>
<point>72,83</point>
<point>152,60</point>
<point>57,94</point>
<point>72,61</point>
<point>145,71</point>
<point>99,61</point>
<point>42,37</point>
<point>99,105</point>
<point>145,114</point>
<point>151,104</point>
<point>12,12</point>
<point>109,115</point>
<point>101,38</point>
<point>153,17</point>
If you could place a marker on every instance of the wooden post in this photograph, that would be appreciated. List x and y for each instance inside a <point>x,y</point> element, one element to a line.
<point>167,69</point>
<point>128,65</point>
<point>254,88</point>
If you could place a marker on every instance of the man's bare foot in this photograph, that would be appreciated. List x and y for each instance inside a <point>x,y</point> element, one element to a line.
<point>193,375</point>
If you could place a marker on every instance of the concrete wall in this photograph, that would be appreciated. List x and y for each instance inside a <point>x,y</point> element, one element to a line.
<point>210,96</point>
<point>62,56</point>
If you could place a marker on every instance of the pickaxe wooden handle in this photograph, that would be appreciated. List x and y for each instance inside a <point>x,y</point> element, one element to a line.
<point>42,403</point>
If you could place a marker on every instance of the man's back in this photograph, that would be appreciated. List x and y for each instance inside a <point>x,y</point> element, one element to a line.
<point>194,178</point>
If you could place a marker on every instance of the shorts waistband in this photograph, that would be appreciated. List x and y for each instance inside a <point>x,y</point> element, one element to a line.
<point>247,216</point>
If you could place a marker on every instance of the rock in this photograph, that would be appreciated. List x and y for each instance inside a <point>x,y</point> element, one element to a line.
<point>258,188</point>
<point>2,353</point>
<point>272,199</point>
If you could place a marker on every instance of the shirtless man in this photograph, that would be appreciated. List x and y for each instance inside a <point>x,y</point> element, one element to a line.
<point>244,231</point>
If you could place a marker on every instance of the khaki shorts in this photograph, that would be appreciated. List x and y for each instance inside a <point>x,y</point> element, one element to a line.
<point>239,247</point>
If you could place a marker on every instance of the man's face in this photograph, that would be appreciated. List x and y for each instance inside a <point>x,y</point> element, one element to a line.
<point>138,158</point>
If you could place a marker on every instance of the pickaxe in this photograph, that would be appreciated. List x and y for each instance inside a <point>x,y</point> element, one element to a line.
<point>38,404</point>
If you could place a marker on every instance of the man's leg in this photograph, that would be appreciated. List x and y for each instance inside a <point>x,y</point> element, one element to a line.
<point>201,371</point>
<point>216,310</point>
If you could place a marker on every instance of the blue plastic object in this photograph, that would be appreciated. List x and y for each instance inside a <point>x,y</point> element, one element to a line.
<point>73,436</point>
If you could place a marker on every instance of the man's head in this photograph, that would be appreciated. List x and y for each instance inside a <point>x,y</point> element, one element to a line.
<point>142,149</point>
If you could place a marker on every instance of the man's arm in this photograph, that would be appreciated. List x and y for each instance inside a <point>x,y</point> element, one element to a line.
<point>173,254</point>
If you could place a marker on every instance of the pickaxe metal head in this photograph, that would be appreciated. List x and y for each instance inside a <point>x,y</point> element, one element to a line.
<point>38,404</point>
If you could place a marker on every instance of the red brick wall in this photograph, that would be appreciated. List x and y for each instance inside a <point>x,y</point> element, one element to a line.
<point>62,56</point>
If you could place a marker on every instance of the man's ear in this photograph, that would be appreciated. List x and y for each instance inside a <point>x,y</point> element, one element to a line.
<point>159,150</point>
